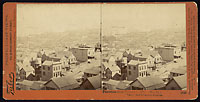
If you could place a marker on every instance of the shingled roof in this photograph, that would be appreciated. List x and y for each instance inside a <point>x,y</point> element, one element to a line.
<point>66,82</point>
<point>95,81</point>
<point>28,68</point>
<point>151,82</point>
<point>66,54</point>
<point>93,70</point>
<point>178,70</point>
<point>20,65</point>
<point>111,67</point>
<point>136,62</point>
<point>123,84</point>
<point>47,63</point>
<point>181,81</point>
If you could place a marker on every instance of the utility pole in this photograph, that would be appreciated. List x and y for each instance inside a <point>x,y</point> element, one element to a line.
<point>100,47</point>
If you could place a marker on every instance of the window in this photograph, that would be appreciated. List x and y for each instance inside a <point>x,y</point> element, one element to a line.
<point>134,67</point>
<point>48,68</point>
<point>43,73</point>
<point>129,67</point>
<point>129,72</point>
<point>43,67</point>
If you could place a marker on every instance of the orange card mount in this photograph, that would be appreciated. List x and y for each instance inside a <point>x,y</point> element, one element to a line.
<point>91,51</point>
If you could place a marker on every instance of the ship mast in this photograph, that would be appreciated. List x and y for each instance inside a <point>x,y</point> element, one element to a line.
<point>100,26</point>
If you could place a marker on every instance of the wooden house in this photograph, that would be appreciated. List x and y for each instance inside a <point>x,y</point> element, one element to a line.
<point>136,69</point>
<point>111,71</point>
<point>91,83</point>
<point>25,71</point>
<point>110,84</point>
<point>50,69</point>
<point>177,83</point>
<point>147,83</point>
<point>90,72</point>
<point>177,72</point>
<point>123,85</point>
<point>62,83</point>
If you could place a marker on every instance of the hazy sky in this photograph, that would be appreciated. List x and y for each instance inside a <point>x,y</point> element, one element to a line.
<point>144,17</point>
<point>41,18</point>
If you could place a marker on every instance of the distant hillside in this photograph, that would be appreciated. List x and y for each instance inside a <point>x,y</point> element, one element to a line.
<point>61,39</point>
<point>143,39</point>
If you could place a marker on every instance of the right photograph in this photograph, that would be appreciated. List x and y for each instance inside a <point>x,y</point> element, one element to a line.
<point>144,47</point>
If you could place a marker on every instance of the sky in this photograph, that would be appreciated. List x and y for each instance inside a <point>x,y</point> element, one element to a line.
<point>42,18</point>
<point>144,17</point>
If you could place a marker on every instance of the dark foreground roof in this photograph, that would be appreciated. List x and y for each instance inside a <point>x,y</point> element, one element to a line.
<point>95,81</point>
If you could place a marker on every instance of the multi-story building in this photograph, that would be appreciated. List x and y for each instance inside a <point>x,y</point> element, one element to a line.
<point>81,54</point>
<point>167,53</point>
<point>136,69</point>
<point>50,70</point>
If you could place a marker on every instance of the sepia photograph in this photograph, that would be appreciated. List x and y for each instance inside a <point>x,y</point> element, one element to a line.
<point>58,47</point>
<point>101,47</point>
<point>144,47</point>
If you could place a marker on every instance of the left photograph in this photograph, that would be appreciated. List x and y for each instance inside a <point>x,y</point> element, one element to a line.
<point>58,47</point>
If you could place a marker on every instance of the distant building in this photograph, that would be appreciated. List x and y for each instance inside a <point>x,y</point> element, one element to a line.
<point>19,66</point>
<point>67,57</point>
<point>118,56</point>
<point>177,72</point>
<point>94,71</point>
<point>91,52</point>
<point>81,54</point>
<point>62,83</point>
<point>125,53</point>
<point>40,53</point>
<point>98,47</point>
<point>177,83</point>
<point>110,84</point>
<point>25,71</point>
<point>136,69</point>
<point>123,66</point>
<point>44,57</point>
<point>24,85</point>
<point>145,57</point>
<point>38,85</point>
<point>183,46</point>
<point>109,59</point>
<point>153,58</point>
<point>111,71</point>
<point>36,64</point>
<point>148,83</point>
<point>123,85</point>
<point>167,53</point>
<point>50,70</point>
<point>30,85</point>
<point>91,83</point>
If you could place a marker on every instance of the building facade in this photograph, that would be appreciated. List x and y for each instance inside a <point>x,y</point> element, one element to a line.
<point>50,70</point>
<point>136,69</point>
